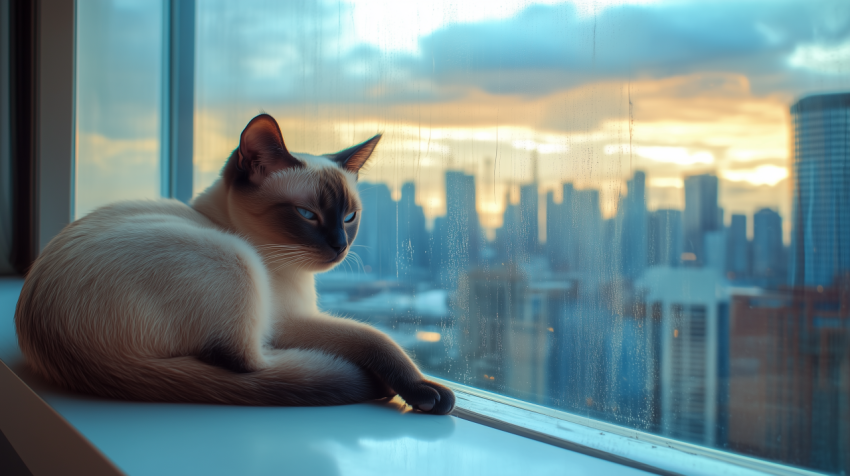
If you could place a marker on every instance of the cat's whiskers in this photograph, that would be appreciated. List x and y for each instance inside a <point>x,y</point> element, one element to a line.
<point>278,257</point>
<point>298,262</point>
<point>346,262</point>
<point>282,260</point>
<point>354,258</point>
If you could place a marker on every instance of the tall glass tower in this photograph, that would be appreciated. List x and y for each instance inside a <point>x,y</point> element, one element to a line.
<point>701,213</point>
<point>820,240</point>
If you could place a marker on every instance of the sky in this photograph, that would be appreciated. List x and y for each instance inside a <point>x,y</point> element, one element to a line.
<point>596,90</point>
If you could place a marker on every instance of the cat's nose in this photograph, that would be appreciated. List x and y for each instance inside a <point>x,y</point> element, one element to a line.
<point>338,242</point>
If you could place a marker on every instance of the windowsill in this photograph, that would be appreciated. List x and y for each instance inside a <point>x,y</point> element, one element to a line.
<point>53,429</point>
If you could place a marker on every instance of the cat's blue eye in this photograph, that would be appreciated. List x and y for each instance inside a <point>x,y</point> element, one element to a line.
<point>306,213</point>
<point>350,217</point>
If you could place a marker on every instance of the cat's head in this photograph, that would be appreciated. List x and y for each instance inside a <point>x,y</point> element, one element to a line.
<point>302,209</point>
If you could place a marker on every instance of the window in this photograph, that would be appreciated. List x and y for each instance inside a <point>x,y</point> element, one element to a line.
<point>632,211</point>
<point>119,78</point>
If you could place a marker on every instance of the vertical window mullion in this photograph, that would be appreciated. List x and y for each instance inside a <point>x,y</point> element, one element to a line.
<point>54,138</point>
<point>178,99</point>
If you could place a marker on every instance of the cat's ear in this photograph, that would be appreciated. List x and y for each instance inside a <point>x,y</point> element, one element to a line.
<point>353,158</point>
<point>261,150</point>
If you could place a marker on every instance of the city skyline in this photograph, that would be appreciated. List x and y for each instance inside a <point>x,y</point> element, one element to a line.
<point>548,197</point>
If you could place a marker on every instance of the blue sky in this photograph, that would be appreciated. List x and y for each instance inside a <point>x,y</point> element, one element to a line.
<point>278,45</point>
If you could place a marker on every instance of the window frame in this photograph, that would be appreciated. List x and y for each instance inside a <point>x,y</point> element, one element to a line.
<point>42,129</point>
<point>178,100</point>
<point>637,449</point>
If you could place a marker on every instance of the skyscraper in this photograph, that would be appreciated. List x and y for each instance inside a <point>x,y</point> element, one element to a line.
<point>377,236</point>
<point>553,229</point>
<point>560,232</point>
<point>508,241</point>
<point>412,235</point>
<point>820,239</point>
<point>633,239</point>
<point>767,243</point>
<point>459,243</point>
<point>715,243</point>
<point>587,221</point>
<point>737,259</point>
<point>528,218</point>
<point>665,237</point>
<point>701,213</point>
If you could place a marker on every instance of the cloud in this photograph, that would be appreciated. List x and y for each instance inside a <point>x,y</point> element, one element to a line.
<point>780,151</point>
<point>673,155</point>
<point>750,37</point>
<point>761,175</point>
<point>827,59</point>
<point>322,52</point>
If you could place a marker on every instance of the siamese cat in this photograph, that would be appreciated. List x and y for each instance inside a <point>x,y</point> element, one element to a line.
<point>216,302</point>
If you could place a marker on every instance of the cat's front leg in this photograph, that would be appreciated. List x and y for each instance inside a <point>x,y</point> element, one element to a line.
<point>372,350</point>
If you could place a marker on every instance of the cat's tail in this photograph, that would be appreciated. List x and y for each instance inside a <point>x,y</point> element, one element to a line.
<point>294,377</point>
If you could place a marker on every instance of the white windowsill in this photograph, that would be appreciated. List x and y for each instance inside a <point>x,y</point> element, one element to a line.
<point>603,440</point>
<point>51,429</point>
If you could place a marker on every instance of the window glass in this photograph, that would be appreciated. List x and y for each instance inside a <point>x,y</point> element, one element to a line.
<point>118,91</point>
<point>635,211</point>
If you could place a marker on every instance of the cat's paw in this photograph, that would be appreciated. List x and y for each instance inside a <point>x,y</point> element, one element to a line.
<point>429,397</point>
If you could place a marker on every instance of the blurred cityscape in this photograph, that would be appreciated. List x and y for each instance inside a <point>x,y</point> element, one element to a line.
<point>676,322</point>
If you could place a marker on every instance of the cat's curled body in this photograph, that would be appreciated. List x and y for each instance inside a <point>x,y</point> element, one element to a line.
<point>216,303</point>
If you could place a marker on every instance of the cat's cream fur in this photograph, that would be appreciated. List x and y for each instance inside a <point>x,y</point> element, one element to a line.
<point>216,302</point>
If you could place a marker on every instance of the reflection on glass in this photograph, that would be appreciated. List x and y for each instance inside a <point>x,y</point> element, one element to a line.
<point>585,206</point>
<point>119,74</point>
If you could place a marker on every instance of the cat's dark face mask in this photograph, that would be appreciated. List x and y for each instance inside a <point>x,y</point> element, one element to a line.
<point>330,223</point>
<point>305,207</point>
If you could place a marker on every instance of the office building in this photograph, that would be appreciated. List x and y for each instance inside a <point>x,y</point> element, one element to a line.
<point>737,248</point>
<point>690,307</point>
<point>715,243</point>
<point>587,221</point>
<point>458,245</point>
<point>509,243</point>
<point>789,385</point>
<point>560,230</point>
<point>529,228</point>
<point>507,330</point>
<point>701,213</point>
<point>413,256</point>
<point>820,237</point>
<point>767,244</point>
<point>377,243</point>
<point>665,237</point>
<point>633,242</point>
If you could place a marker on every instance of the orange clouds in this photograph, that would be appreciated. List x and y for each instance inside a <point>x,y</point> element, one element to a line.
<point>679,126</point>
